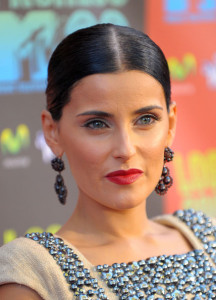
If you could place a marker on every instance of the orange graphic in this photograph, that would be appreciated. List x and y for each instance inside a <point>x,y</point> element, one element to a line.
<point>189,47</point>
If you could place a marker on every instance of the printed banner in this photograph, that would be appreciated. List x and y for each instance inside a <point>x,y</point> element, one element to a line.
<point>186,32</point>
<point>30,30</point>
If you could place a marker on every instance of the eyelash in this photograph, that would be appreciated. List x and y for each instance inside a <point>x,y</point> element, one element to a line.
<point>105,125</point>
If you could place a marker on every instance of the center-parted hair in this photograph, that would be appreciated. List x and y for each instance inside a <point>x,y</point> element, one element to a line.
<point>103,48</point>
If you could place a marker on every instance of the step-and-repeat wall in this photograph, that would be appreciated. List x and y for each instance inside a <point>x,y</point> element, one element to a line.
<point>186,31</point>
<point>30,30</point>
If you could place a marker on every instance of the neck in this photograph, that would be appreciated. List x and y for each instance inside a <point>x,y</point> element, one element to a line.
<point>97,221</point>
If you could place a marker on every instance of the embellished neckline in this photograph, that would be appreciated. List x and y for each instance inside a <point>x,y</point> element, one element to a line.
<point>163,276</point>
<point>159,219</point>
<point>95,266</point>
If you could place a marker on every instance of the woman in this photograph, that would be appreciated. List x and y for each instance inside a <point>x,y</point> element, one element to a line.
<point>109,111</point>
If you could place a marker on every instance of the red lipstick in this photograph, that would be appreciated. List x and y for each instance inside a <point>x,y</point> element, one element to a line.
<point>124,177</point>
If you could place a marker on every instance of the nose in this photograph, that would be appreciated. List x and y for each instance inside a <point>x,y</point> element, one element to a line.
<point>124,145</point>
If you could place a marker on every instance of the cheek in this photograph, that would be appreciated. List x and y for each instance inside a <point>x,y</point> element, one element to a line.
<point>154,158</point>
<point>154,151</point>
<point>84,154</point>
<point>156,141</point>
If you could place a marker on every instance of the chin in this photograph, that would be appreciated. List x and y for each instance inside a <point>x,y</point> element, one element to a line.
<point>125,203</point>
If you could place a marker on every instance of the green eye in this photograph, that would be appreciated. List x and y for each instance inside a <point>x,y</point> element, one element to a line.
<point>96,124</point>
<point>145,120</point>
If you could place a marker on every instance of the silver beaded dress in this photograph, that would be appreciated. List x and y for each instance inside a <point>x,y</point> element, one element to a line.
<point>186,276</point>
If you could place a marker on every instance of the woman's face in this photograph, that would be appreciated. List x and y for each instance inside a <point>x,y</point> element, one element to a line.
<point>116,122</point>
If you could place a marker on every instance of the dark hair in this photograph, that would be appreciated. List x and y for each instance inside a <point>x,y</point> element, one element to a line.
<point>103,48</point>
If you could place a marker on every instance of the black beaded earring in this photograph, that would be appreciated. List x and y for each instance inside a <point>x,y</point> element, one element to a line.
<point>61,190</point>
<point>166,180</point>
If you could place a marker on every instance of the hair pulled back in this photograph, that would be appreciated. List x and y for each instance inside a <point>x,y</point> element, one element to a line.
<point>103,48</point>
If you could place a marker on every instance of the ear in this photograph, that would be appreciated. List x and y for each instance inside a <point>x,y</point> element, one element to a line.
<point>51,133</point>
<point>172,123</point>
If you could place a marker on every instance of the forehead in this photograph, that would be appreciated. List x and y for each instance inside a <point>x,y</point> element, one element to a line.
<point>126,89</point>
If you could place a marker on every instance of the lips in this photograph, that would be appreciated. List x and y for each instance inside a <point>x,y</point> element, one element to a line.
<point>124,177</point>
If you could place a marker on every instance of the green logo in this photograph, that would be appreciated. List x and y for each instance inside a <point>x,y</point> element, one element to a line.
<point>14,143</point>
<point>180,70</point>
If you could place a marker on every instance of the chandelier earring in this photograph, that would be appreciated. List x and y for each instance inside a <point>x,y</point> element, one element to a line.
<point>60,188</point>
<point>166,180</point>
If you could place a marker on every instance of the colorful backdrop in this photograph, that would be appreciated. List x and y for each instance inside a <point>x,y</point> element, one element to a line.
<point>30,30</point>
<point>186,31</point>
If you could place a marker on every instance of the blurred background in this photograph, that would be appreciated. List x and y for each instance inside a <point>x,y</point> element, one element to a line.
<point>29,32</point>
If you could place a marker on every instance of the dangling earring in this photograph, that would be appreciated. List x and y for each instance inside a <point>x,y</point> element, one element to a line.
<point>166,180</point>
<point>61,190</point>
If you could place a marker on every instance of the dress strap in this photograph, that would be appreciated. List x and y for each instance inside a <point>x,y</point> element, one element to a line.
<point>202,227</point>
<point>199,229</point>
<point>79,279</point>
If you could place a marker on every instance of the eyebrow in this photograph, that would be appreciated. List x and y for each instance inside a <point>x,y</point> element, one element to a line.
<point>95,113</point>
<point>108,115</point>
<point>147,108</point>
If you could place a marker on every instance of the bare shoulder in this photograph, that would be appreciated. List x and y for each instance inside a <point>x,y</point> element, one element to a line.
<point>17,292</point>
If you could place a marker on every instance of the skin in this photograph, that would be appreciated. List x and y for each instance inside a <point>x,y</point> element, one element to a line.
<point>110,216</point>
<point>17,292</point>
<point>110,223</point>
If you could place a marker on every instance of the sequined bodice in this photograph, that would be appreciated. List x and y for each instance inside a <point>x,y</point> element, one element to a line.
<point>187,276</point>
